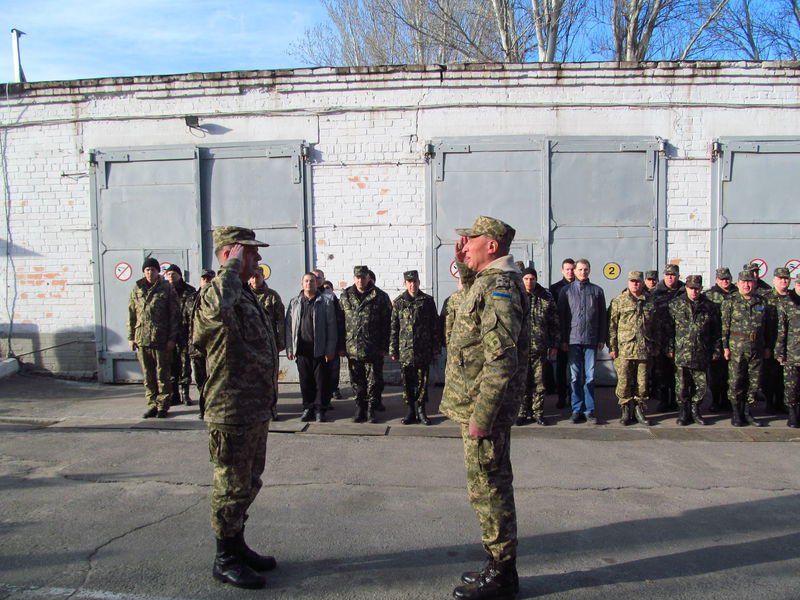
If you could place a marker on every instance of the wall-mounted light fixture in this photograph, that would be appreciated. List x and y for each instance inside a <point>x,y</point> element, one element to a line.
<point>191,121</point>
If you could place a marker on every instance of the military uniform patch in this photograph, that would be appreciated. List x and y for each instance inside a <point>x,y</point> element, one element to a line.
<point>501,296</point>
<point>502,281</point>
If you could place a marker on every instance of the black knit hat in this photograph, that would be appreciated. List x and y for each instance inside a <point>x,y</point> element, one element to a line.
<point>150,262</point>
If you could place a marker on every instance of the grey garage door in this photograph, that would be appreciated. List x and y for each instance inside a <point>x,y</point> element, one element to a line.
<point>166,201</point>
<point>596,198</point>
<point>756,214</point>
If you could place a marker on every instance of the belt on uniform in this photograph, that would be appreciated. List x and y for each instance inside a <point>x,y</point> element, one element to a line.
<point>741,334</point>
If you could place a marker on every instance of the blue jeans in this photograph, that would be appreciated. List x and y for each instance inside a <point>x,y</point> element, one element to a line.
<point>581,362</point>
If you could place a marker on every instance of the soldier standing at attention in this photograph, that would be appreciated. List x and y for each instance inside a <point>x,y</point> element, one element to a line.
<point>545,336</point>
<point>271,301</point>
<point>663,366</point>
<point>367,317</point>
<point>718,371</point>
<point>198,360</point>
<point>787,350</point>
<point>235,334</point>
<point>632,341</point>
<point>484,383</point>
<point>694,341</point>
<point>414,341</point>
<point>773,372</point>
<point>153,322</point>
<point>181,363</point>
<point>745,327</point>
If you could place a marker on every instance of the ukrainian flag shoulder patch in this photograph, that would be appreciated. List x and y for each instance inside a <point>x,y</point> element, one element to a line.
<point>501,296</point>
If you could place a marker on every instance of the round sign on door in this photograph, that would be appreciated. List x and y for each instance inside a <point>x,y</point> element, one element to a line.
<point>612,270</point>
<point>454,269</point>
<point>794,267</point>
<point>265,269</point>
<point>123,271</point>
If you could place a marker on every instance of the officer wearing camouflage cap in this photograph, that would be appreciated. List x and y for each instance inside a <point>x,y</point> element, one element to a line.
<point>484,384</point>
<point>722,289</point>
<point>787,351</point>
<point>198,361</point>
<point>650,281</point>
<point>232,331</point>
<point>663,366</point>
<point>772,378</point>
<point>761,286</point>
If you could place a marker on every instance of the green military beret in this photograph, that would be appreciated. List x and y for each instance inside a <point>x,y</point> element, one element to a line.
<point>360,270</point>
<point>493,228</point>
<point>651,275</point>
<point>724,273</point>
<point>782,272</point>
<point>411,276</point>
<point>671,269</point>
<point>635,276</point>
<point>231,234</point>
<point>695,282</point>
<point>746,276</point>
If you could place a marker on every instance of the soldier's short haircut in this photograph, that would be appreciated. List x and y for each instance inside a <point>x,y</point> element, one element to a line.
<point>583,261</point>
<point>311,274</point>
<point>568,261</point>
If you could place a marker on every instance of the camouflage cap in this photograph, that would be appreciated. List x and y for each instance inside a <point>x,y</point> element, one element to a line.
<point>782,272</point>
<point>411,276</point>
<point>635,276</point>
<point>208,273</point>
<point>751,266</point>
<point>360,270</point>
<point>724,273</point>
<point>695,282</point>
<point>231,234</point>
<point>671,269</point>
<point>493,228</point>
<point>651,275</point>
<point>175,268</point>
<point>746,276</point>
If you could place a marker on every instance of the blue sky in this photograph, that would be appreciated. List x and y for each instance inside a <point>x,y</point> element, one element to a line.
<point>68,39</point>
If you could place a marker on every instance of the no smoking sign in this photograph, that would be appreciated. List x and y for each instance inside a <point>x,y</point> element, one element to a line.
<point>123,271</point>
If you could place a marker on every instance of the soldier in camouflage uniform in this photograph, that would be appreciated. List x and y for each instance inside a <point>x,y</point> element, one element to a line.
<point>772,384</point>
<point>233,332</point>
<point>181,362</point>
<point>663,366</point>
<point>718,371</point>
<point>484,384</point>
<point>198,361</point>
<point>367,318</point>
<point>414,341</point>
<point>745,342</point>
<point>632,342</point>
<point>693,342</point>
<point>271,301</point>
<point>153,322</point>
<point>787,351</point>
<point>448,315</point>
<point>545,339</point>
<point>650,282</point>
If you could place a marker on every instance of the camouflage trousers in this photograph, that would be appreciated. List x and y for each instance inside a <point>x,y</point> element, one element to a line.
<point>181,366</point>
<point>156,364</point>
<point>791,377</point>
<point>744,374</point>
<point>415,383</point>
<point>632,379</point>
<point>490,490</point>
<point>690,385</point>
<point>533,404</point>
<point>366,377</point>
<point>238,453</point>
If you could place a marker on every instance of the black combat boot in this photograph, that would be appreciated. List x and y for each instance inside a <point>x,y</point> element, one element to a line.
<point>683,414</point>
<point>639,413</point>
<point>422,415</point>
<point>251,558</point>
<point>747,417</point>
<point>185,395</point>
<point>475,576</point>
<point>793,421</point>
<point>411,415</point>
<point>307,416</point>
<point>539,420</point>
<point>736,414</point>
<point>321,416</point>
<point>361,413</point>
<point>230,567</point>
<point>625,416</point>
<point>498,581</point>
<point>151,412</point>
<point>175,396</point>
<point>696,416</point>
<point>371,418</point>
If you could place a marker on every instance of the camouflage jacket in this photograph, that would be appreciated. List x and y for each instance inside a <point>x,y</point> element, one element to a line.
<point>717,295</point>
<point>632,327</point>
<point>746,323</point>
<point>487,355</point>
<point>787,347</point>
<point>367,318</point>
<point>414,337</point>
<point>776,301</point>
<point>271,301</point>
<point>186,295</point>
<point>233,332</point>
<point>153,315</point>
<point>694,332</point>
<point>543,322</point>
<point>448,316</point>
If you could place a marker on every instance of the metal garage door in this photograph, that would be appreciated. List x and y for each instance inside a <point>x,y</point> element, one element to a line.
<point>166,201</point>
<point>755,214</point>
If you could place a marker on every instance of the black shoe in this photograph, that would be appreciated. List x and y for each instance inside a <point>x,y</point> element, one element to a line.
<point>361,414</point>
<point>475,576</point>
<point>540,420</point>
<point>307,416</point>
<point>576,417</point>
<point>185,399</point>
<point>151,412</point>
<point>748,418</point>
<point>736,414</point>
<point>337,394</point>
<point>793,421</point>
<point>494,583</point>
<point>371,415</point>
<point>696,416</point>
<point>162,414</point>
<point>422,415</point>
<point>321,416</point>
<point>591,419</point>
<point>253,559</point>
<point>230,566</point>
<point>683,415</point>
<point>411,415</point>
<point>638,412</point>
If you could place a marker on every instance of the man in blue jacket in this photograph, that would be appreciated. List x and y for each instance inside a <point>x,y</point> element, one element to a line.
<point>583,319</point>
